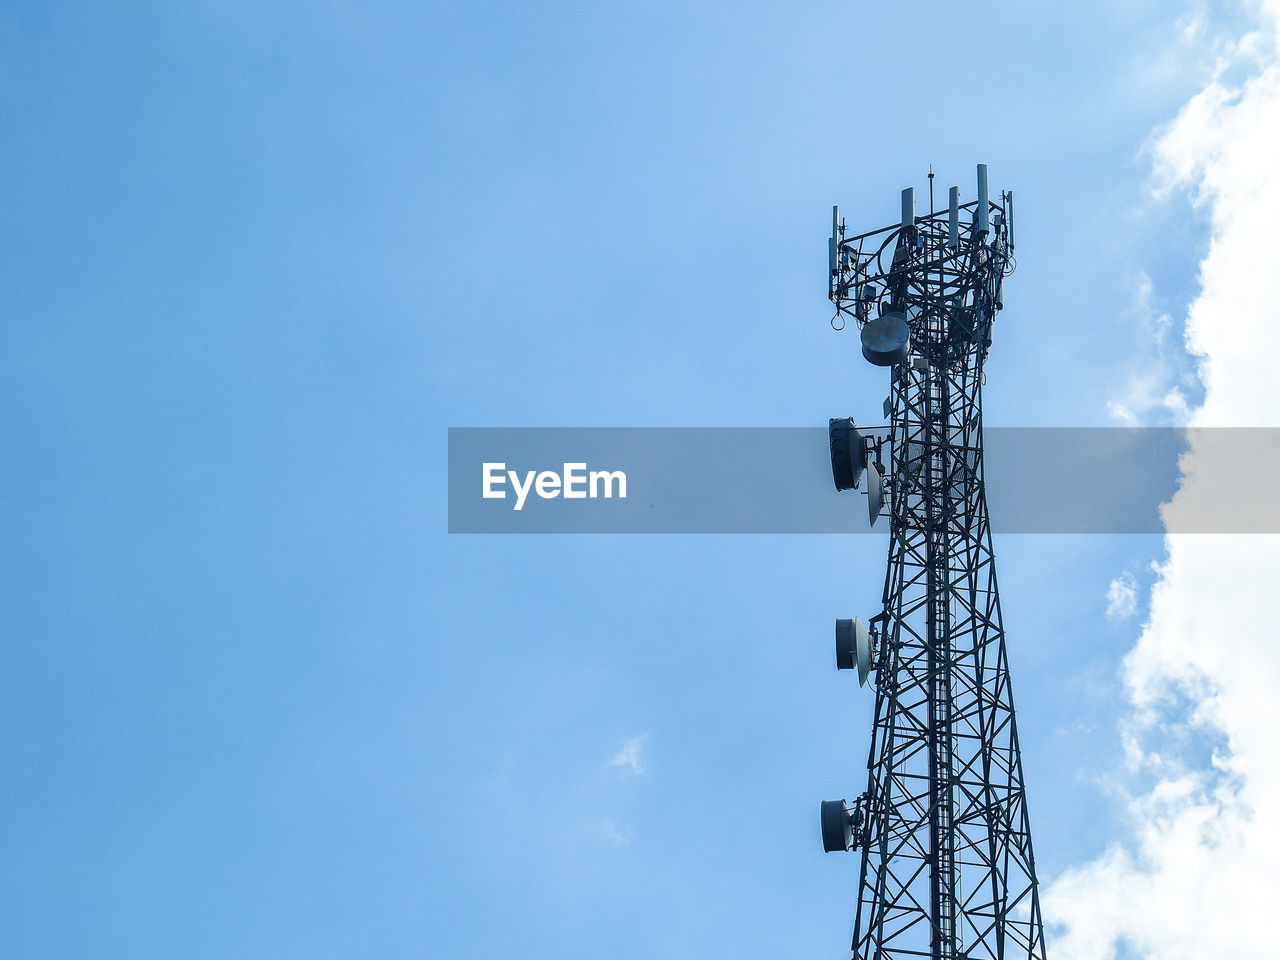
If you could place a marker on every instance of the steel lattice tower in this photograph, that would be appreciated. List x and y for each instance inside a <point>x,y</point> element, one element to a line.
<point>947,869</point>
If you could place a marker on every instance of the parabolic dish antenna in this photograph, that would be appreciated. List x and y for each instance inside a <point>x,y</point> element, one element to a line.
<point>853,648</point>
<point>862,648</point>
<point>875,493</point>
<point>886,339</point>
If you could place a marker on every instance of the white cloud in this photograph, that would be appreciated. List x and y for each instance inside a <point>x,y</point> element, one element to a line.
<point>629,756</point>
<point>1122,597</point>
<point>1199,871</point>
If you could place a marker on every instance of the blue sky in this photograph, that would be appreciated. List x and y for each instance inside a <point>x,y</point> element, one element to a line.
<point>259,257</point>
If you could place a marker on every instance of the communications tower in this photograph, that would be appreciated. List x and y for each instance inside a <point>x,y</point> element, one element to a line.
<point>942,829</point>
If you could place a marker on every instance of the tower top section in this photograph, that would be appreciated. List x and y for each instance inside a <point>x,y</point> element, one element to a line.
<point>948,264</point>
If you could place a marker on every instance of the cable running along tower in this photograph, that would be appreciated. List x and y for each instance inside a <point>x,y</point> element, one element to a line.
<point>942,829</point>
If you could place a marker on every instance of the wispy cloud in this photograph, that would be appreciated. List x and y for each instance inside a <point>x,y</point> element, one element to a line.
<point>619,835</point>
<point>630,755</point>
<point>1195,873</point>
<point>1155,391</point>
<point>1122,597</point>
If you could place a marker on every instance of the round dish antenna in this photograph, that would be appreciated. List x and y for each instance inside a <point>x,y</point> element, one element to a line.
<point>837,826</point>
<point>846,646</point>
<point>848,453</point>
<point>886,340</point>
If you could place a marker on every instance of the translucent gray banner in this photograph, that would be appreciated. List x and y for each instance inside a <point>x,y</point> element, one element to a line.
<point>778,480</point>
